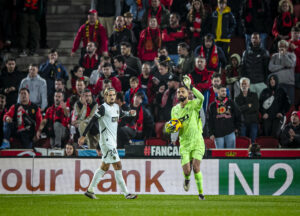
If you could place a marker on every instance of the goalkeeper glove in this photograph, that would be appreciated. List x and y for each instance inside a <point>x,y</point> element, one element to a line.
<point>187,81</point>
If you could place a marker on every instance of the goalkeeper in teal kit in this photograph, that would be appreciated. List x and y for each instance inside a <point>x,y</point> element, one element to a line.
<point>192,146</point>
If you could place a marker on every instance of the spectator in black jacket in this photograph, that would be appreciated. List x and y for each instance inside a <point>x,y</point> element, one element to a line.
<point>223,26</point>
<point>139,126</point>
<point>255,64</point>
<point>248,104</point>
<point>274,104</point>
<point>290,135</point>
<point>223,120</point>
<point>132,62</point>
<point>119,35</point>
<point>10,81</point>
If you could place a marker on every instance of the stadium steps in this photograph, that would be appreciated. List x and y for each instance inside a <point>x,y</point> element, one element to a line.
<point>63,20</point>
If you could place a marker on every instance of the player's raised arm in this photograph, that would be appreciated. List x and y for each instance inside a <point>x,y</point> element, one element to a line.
<point>100,112</point>
<point>197,93</point>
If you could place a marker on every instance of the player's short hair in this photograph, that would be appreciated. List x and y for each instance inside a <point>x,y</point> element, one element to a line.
<point>134,79</point>
<point>108,90</point>
<point>183,86</point>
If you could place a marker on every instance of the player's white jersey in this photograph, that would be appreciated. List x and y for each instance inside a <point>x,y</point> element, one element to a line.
<point>108,123</point>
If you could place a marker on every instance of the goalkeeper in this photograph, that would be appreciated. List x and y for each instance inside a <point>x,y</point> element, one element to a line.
<point>192,146</point>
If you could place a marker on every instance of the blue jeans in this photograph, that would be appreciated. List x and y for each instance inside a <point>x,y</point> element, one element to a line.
<point>249,130</point>
<point>227,141</point>
<point>174,58</point>
<point>263,40</point>
<point>25,137</point>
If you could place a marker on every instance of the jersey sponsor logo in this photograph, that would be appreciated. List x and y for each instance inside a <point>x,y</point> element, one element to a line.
<point>161,151</point>
<point>114,119</point>
<point>186,117</point>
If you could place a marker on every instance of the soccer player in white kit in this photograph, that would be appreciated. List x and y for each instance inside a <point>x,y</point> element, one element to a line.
<point>107,116</point>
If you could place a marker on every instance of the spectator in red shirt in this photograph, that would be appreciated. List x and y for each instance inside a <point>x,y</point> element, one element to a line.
<point>21,121</point>
<point>93,31</point>
<point>90,60</point>
<point>201,77</point>
<point>56,119</point>
<point>107,74</point>
<point>150,41</point>
<point>172,36</point>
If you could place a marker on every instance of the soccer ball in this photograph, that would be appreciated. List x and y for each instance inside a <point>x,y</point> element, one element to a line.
<point>173,126</point>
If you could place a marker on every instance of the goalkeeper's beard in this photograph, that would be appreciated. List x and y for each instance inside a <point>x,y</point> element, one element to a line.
<point>182,99</point>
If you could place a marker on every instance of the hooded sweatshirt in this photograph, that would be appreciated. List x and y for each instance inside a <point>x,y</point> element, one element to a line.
<point>284,67</point>
<point>273,100</point>
<point>38,90</point>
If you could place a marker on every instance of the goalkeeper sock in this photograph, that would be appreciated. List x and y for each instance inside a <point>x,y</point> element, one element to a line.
<point>99,173</point>
<point>198,179</point>
<point>187,177</point>
<point>121,182</point>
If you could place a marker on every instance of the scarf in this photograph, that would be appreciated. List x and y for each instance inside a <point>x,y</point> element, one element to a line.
<point>221,105</point>
<point>157,15</point>
<point>132,93</point>
<point>139,120</point>
<point>120,29</point>
<point>286,19</point>
<point>214,58</point>
<point>87,31</point>
<point>204,75</point>
<point>153,39</point>
<point>90,61</point>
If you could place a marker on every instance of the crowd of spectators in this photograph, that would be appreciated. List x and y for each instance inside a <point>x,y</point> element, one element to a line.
<point>142,49</point>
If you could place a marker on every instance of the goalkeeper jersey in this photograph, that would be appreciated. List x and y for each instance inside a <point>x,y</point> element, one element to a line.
<point>190,135</point>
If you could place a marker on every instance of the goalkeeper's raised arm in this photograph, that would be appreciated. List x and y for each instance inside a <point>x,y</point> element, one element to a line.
<point>187,82</point>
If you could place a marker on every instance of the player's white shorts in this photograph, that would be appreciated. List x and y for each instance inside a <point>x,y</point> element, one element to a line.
<point>109,154</point>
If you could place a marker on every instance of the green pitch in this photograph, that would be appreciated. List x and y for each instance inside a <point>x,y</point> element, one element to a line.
<point>145,205</point>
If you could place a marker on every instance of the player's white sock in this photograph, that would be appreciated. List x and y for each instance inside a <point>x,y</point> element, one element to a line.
<point>99,173</point>
<point>121,182</point>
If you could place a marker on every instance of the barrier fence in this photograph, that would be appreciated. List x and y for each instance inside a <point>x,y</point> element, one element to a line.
<point>150,176</point>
